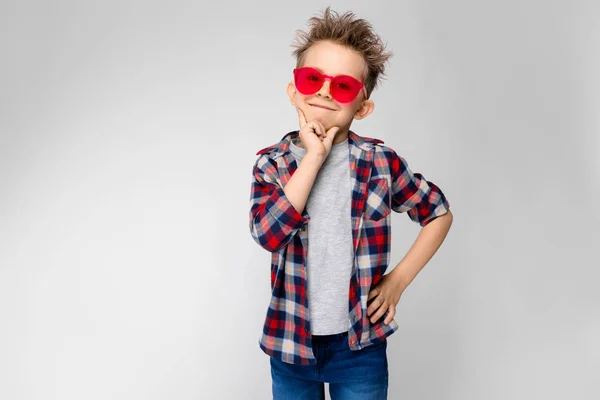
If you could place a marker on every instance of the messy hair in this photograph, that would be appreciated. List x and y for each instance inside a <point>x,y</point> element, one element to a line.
<point>346,30</point>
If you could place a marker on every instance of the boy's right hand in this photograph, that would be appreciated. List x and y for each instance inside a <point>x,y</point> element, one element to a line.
<point>315,139</point>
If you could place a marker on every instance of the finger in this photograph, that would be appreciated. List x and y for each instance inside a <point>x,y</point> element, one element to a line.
<point>378,314</point>
<point>330,136</point>
<point>372,293</point>
<point>374,305</point>
<point>301,117</point>
<point>320,129</point>
<point>390,316</point>
<point>312,127</point>
<point>333,130</point>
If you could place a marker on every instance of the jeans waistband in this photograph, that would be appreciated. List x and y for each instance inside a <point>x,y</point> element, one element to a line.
<point>330,337</point>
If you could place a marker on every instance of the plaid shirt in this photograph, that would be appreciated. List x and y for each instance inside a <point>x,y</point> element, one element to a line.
<point>381,182</point>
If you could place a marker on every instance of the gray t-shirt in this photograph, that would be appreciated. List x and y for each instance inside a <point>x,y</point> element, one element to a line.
<point>330,252</point>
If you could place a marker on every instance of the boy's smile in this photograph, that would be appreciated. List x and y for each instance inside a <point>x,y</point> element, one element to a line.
<point>334,60</point>
<point>320,106</point>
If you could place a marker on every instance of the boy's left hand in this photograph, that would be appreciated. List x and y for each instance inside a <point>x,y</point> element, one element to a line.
<point>386,295</point>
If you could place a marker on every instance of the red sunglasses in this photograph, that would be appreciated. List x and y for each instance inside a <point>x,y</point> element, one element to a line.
<point>343,88</point>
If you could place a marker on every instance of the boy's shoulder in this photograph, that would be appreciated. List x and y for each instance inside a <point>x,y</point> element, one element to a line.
<point>372,140</point>
<point>267,149</point>
<point>286,138</point>
<point>274,146</point>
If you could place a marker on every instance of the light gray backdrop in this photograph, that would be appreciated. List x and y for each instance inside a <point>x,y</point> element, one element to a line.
<point>128,130</point>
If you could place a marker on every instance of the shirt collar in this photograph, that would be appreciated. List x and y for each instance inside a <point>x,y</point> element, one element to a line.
<point>283,146</point>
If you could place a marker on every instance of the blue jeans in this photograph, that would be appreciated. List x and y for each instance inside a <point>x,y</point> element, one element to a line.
<point>351,374</point>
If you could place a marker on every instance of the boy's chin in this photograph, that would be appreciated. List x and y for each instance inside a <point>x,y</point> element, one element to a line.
<point>325,120</point>
<point>327,123</point>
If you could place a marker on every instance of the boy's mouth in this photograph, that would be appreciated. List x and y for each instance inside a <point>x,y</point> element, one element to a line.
<point>320,106</point>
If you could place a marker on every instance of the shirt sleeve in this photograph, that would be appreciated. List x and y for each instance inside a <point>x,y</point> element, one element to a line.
<point>273,219</point>
<point>412,193</point>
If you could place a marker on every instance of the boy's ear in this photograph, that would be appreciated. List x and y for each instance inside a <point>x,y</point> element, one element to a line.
<point>365,109</point>
<point>291,91</point>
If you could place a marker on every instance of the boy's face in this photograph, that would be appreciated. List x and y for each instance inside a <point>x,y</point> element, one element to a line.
<point>332,59</point>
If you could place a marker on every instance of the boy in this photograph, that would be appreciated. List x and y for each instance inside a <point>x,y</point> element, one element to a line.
<point>320,202</point>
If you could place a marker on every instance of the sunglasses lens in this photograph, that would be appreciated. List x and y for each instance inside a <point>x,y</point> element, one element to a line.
<point>308,80</point>
<point>345,88</point>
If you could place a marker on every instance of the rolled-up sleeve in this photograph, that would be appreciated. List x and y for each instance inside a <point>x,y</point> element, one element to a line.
<point>422,200</point>
<point>273,219</point>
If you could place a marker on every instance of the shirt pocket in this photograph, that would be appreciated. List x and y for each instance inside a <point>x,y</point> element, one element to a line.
<point>378,200</point>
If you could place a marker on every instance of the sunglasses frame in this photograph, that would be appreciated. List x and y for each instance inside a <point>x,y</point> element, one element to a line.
<point>331,78</point>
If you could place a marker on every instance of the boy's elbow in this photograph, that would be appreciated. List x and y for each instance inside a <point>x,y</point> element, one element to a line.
<point>271,245</point>
<point>449,216</point>
<point>265,238</point>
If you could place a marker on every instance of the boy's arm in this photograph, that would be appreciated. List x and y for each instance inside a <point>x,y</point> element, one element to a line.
<point>425,204</point>
<point>300,184</point>
<point>428,242</point>
<point>277,213</point>
<point>385,295</point>
<point>422,200</point>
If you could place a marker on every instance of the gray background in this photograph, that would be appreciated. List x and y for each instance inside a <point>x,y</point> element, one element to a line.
<point>128,130</point>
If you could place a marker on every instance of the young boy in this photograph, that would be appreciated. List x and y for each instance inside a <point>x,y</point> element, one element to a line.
<point>321,202</point>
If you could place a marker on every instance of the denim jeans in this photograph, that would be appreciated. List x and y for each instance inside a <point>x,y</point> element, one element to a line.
<point>351,374</point>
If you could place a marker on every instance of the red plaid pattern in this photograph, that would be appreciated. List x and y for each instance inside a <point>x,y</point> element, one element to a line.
<point>382,182</point>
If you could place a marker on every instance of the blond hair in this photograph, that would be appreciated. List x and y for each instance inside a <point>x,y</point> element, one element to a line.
<point>346,30</point>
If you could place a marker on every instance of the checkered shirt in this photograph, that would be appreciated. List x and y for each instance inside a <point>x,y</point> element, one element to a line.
<point>381,182</point>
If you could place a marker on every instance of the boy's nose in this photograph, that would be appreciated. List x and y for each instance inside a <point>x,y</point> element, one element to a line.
<point>324,91</point>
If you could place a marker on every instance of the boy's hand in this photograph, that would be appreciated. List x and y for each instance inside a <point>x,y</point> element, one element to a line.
<point>314,137</point>
<point>386,295</point>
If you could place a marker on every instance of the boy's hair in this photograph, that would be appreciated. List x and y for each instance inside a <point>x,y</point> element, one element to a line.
<point>346,30</point>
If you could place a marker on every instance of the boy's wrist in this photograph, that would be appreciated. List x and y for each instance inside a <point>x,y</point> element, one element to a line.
<point>313,159</point>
